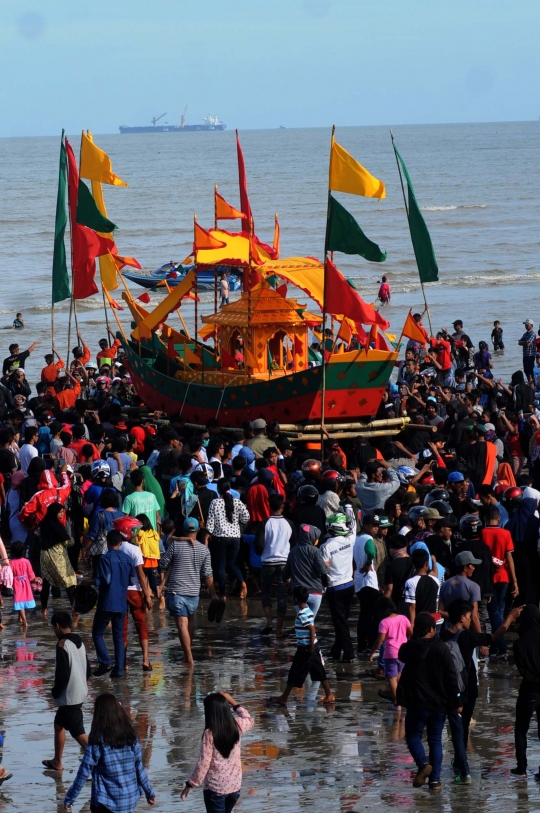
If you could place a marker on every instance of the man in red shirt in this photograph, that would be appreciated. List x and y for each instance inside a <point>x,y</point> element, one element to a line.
<point>444,357</point>
<point>79,440</point>
<point>66,395</point>
<point>107,352</point>
<point>500,543</point>
<point>51,371</point>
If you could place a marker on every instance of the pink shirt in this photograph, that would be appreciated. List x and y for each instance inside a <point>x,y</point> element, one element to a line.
<point>219,774</point>
<point>22,576</point>
<point>395,628</point>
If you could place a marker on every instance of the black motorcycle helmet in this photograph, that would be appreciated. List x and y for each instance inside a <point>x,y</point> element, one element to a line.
<point>470,526</point>
<point>435,495</point>
<point>442,507</point>
<point>86,597</point>
<point>307,495</point>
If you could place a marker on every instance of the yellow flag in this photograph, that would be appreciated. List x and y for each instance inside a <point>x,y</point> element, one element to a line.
<point>107,265</point>
<point>347,175</point>
<point>190,357</point>
<point>96,164</point>
<point>250,360</point>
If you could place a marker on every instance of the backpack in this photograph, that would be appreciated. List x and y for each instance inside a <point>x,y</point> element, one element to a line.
<point>459,663</point>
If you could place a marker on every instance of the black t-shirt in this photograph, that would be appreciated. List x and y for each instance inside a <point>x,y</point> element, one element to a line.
<point>238,482</point>
<point>16,360</point>
<point>205,496</point>
<point>397,572</point>
<point>467,641</point>
<point>7,465</point>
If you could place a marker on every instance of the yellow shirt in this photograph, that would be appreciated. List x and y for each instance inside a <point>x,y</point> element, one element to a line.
<point>148,541</point>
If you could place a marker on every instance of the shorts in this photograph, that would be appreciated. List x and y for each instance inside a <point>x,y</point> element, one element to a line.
<point>305,663</point>
<point>182,606</point>
<point>393,667</point>
<point>70,718</point>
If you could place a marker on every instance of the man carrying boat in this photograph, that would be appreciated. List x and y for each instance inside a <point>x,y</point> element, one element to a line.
<point>81,355</point>
<point>51,371</point>
<point>107,352</point>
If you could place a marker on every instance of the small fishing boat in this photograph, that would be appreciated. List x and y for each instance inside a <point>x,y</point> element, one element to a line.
<point>174,273</point>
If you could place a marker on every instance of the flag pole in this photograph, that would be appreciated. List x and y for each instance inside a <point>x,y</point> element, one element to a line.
<point>196,295</point>
<point>324,294</point>
<point>407,211</point>
<point>215,273</point>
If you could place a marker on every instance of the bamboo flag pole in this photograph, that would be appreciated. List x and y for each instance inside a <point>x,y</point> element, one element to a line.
<point>408,220</point>
<point>324,295</point>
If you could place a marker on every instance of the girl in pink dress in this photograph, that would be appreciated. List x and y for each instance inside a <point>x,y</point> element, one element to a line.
<point>23,574</point>
<point>220,765</point>
<point>384,295</point>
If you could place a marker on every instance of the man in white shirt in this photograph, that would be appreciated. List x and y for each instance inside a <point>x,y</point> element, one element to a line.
<point>422,590</point>
<point>337,553</point>
<point>28,449</point>
<point>139,596</point>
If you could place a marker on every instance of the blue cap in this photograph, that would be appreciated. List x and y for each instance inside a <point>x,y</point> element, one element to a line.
<point>455,477</point>
<point>191,525</point>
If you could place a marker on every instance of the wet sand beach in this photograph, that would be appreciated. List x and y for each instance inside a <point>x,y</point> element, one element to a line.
<point>349,757</point>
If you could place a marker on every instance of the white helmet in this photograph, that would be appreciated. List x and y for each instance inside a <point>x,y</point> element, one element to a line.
<point>99,467</point>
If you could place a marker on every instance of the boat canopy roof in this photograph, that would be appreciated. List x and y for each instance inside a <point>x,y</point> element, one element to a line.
<point>263,306</point>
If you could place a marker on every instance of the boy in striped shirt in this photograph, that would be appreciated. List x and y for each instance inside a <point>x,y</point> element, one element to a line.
<point>307,658</point>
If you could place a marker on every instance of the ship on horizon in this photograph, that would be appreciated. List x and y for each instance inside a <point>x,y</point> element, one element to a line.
<point>209,123</point>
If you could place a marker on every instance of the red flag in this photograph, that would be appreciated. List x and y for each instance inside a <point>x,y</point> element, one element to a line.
<point>86,244</point>
<point>378,340</point>
<point>242,182</point>
<point>282,289</point>
<point>226,359</point>
<point>298,346</point>
<point>341,298</point>
<point>276,239</point>
<point>144,298</point>
<point>120,262</point>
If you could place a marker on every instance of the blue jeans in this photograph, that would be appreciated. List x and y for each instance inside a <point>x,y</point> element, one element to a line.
<point>461,763</point>
<point>224,552</point>
<point>220,802</point>
<point>496,615</point>
<point>268,574</point>
<point>101,619</point>
<point>416,720</point>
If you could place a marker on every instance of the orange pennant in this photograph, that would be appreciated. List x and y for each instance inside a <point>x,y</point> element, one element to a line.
<point>224,211</point>
<point>204,240</point>
<point>412,330</point>
<point>250,360</point>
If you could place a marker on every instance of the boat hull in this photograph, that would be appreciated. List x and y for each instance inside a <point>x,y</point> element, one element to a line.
<point>173,128</point>
<point>205,279</point>
<point>354,389</point>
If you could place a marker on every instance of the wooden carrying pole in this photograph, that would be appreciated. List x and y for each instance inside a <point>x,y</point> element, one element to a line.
<point>408,220</point>
<point>323,348</point>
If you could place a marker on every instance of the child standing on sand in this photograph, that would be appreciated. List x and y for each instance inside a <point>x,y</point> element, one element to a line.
<point>23,598</point>
<point>307,658</point>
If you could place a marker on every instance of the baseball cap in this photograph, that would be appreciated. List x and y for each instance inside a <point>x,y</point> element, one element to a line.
<point>432,513</point>
<point>489,427</point>
<point>466,558</point>
<point>457,322</point>
<point>478,409</point>
<point>384,522</point>
<point>372,519</point>
<point>528,322</point>
<point>191,525</point>
<point>259,423</point>
<point>456,477</point>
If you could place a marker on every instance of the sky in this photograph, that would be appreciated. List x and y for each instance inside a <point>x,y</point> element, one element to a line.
<point>263,63</point>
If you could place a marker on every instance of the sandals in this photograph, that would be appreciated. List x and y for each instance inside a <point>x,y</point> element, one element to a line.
<point>5,778</point>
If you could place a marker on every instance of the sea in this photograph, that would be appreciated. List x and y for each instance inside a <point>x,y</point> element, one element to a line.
<point>478,186</point>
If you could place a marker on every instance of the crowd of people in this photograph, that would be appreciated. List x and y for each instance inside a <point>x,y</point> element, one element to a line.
<point>429,537</point>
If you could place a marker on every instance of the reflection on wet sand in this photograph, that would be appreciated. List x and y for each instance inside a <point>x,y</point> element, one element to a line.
<point>349,757</point>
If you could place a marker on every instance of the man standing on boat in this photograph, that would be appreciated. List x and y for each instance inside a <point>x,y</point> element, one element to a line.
<point>224,288</point>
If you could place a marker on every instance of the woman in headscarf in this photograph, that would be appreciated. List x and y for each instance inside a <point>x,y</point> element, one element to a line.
<point>151,485</point>
<point>527,657</point>
<point>13,503</point>
<point>56,568</point>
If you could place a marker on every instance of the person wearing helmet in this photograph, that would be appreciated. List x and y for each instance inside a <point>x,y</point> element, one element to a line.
<point>101,522</point>
<point>436,494</point>
<point>101,478</point>
<point>371,490</point>
<point>337,553</point>
<point>312,469</point>
<point>139,594</point>
<point>307,512</point>
<point>114,574</point>
<point>470,527</point>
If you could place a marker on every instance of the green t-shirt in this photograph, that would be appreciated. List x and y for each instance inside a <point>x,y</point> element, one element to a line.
<point>142,502</point>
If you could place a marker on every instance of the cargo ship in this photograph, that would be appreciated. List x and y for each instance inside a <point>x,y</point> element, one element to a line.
<point>209,123</point>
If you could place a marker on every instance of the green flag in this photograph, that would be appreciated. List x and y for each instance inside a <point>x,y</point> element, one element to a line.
<point>88,213</point>
<point>344,234</point>
<point>60,279</point>
<point>421,240</point>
